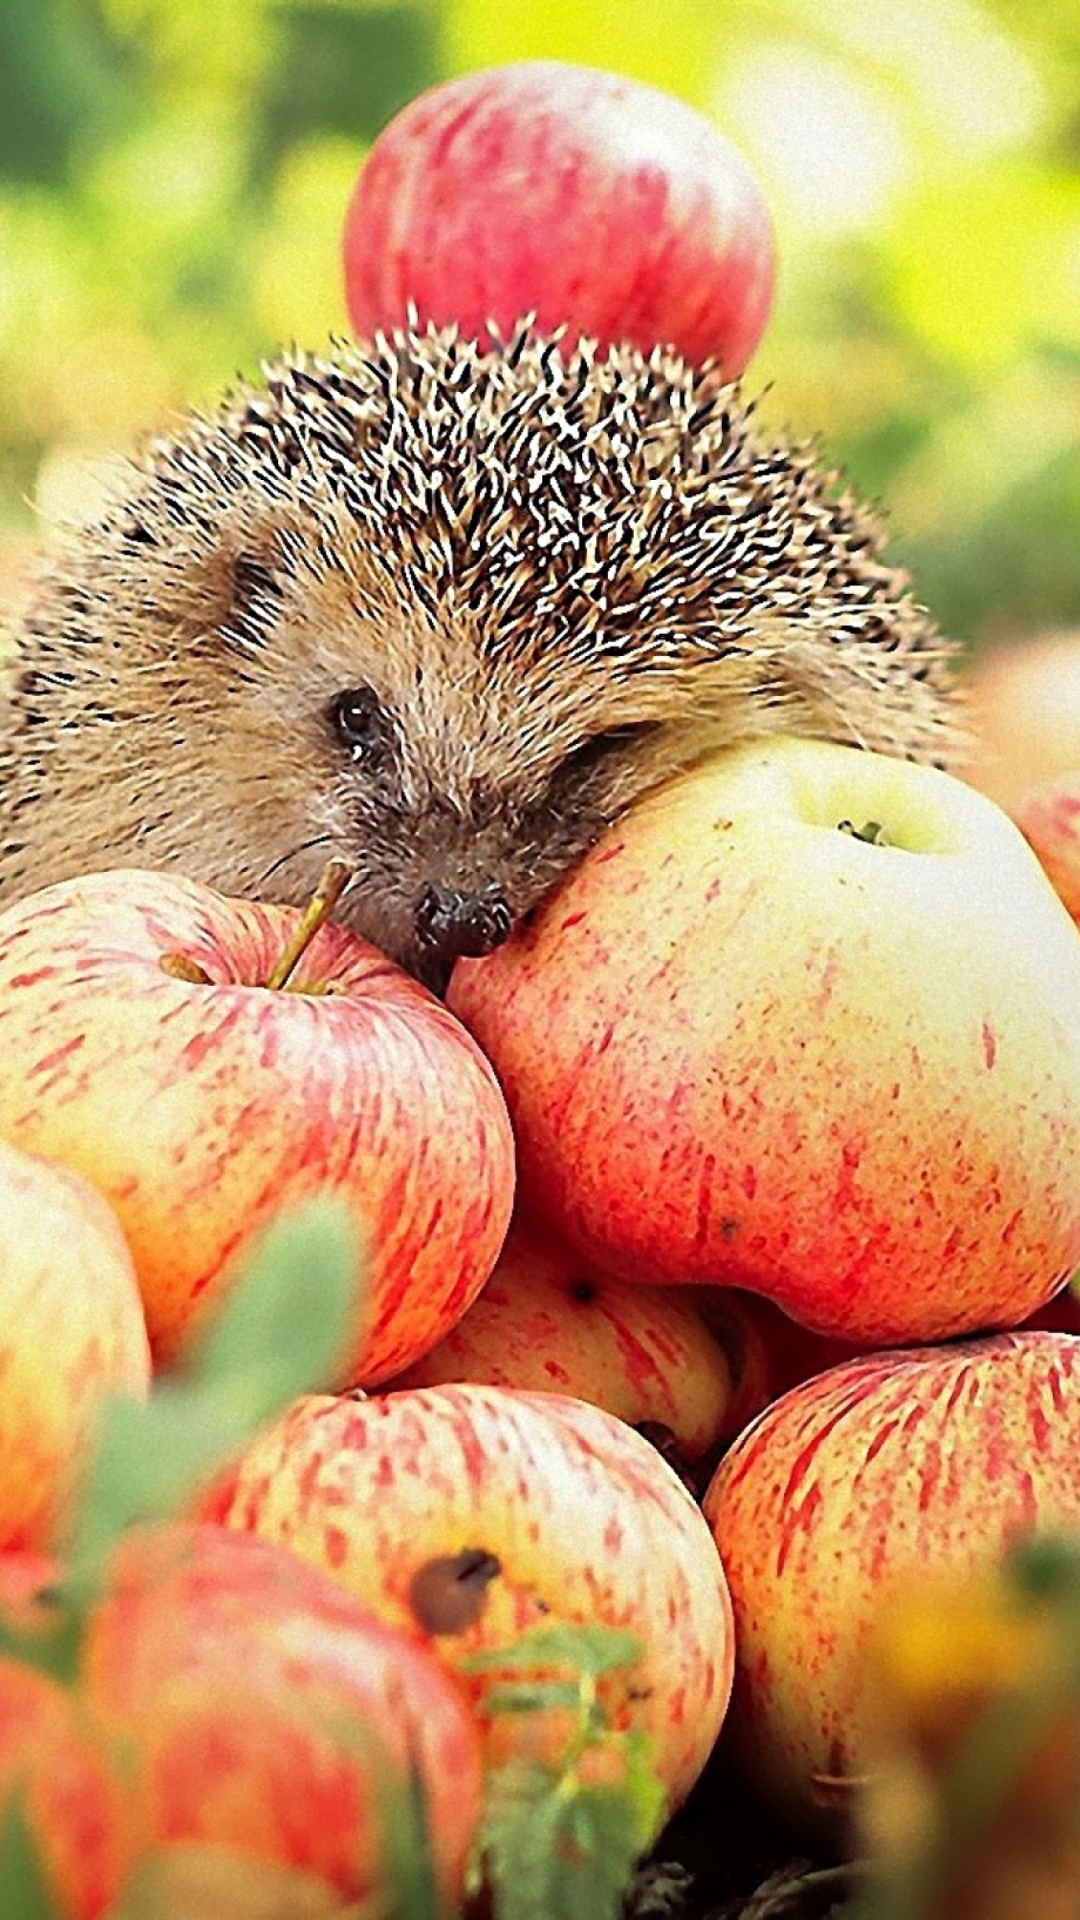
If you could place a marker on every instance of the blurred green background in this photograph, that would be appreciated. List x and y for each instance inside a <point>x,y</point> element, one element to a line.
<point>173,175</point>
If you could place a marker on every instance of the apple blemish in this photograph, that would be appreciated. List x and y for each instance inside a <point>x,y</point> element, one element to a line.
<point>181,966</point>
<point>448,1594</point>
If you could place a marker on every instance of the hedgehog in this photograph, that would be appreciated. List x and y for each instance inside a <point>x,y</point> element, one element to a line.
<point>443,611</point>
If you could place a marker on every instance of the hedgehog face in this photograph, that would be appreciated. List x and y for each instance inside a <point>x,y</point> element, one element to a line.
<point>458,808</point>
<point>444,613</point>
<point>459,773</point>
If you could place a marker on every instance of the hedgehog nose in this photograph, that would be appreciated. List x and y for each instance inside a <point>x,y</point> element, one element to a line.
<point>462,924</point>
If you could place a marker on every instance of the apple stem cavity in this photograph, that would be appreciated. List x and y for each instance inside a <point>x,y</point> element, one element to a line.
<point>181,966</point>
<point>333,881</point>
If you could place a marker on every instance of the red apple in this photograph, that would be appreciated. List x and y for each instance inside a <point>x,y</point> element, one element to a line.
<point>469,1514</point>
<point>200,1109</point>
<point>71,1331</point>
<point>895,1469</point>
<point>805,1021</point>
<point>69,1797</point>
<point>545,1321</point>
<point>1048,816</point>
<point>249,1702</point>
<point>578,196</point>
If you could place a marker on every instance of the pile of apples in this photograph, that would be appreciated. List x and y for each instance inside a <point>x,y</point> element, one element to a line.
<point>805,1023</point>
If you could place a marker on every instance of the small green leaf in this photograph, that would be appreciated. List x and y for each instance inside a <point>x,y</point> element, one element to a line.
<point>410,1863</point>
<point>597,1848</point>
<point>643,1786</point>
<point>537,1696</point>
<point>584,1646</point>
<point>148,1460</point>
<point>518,1839</point>
<point>553,1846</point>
<point>288,1320</point>
<point>280,1333</point>
<point>1045,1568</point>
<point>54,1648</point>
<point>24,1888</point>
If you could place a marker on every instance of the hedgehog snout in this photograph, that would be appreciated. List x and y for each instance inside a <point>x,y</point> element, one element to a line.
<point>456,925</point>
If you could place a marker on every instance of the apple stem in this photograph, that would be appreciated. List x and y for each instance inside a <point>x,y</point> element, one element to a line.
<point>333,881</point>
<point>873,832</point>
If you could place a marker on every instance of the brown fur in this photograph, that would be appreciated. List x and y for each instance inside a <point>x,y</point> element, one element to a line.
<point>565,574</point>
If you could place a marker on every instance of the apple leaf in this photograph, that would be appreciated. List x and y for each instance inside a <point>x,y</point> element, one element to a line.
<point>586,1646</point>
<point>288,1324</point>
<point>409,1858</point>
<point>281,1333</point>
<point>531,1696</point>
<point>53,1647</point>
<point>553,1843</point>
<point>556,1839</point>
<point>24,1888</point>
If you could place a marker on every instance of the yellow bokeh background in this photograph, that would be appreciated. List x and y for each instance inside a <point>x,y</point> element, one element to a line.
<point>173,175</point>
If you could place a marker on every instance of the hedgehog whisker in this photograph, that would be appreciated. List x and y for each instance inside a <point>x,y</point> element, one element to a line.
<point>319,840</point>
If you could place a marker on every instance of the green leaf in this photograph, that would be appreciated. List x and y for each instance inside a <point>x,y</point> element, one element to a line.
<point>518,1839</point>
<point>54,1648</point>
<point>410,1861</point>
<point>24,1888</point>
<point>280,1333</point>
<point>536,1696</point>
<point>597,1848</point>
<point>643,1786</point>
<point>553,1846</point>
<point>285,1325</point>
<point>1046,1567</point>
<point>584,1646</point>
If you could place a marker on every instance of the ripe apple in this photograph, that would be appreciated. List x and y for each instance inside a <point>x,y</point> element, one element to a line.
<point>805,1021</point>
<point>249,1702</point>
<point>1024,700</point>
<point>578,196</point>
<point>1048,816</point>
<point>469,1514</point>
<point>896,1468</point>
<point>71,1330</point>
<point>67,1793</point>
<point>549,1323</point>
<point>200,1109</point>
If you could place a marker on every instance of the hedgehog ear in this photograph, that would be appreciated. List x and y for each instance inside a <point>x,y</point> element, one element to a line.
<point>252,594</point>
<point>254,581</point>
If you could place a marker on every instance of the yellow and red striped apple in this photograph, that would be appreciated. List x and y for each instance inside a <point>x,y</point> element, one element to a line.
<point>805,1021</point>
<point>467,1515</point>
<point>200,1109</point>
<point>1048,816</point>
<point>549,1323</point>
<point>894,1469</point>
<point>72,1331</point>
<point>595,203</point>
<point>260,1707</point>
<point>66,1790</point>
<point>230,1697</point>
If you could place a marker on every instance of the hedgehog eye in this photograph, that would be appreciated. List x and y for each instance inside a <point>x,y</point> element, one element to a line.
<point>594,753</point>
<point>363,725</point>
